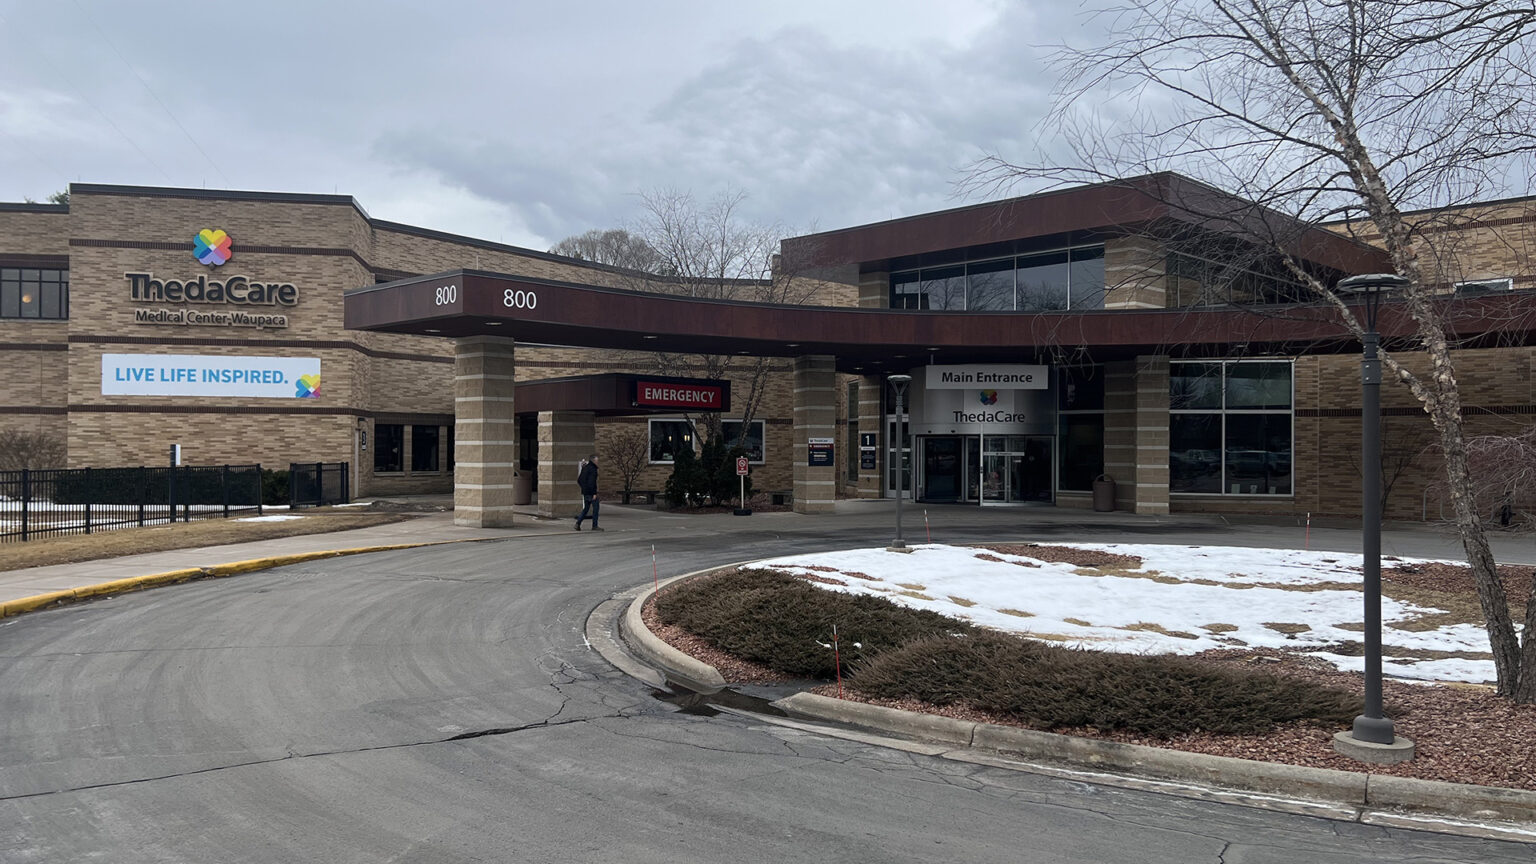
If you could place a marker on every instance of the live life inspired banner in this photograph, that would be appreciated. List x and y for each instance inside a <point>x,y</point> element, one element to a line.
<point>197,375</point>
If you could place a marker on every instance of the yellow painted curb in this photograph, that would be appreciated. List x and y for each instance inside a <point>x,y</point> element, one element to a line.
<point>172,577</point>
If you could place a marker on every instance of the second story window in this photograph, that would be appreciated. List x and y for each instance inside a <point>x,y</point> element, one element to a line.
<point>32,292</point>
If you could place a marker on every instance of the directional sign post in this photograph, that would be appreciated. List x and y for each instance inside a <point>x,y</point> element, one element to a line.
<point>742,468</point>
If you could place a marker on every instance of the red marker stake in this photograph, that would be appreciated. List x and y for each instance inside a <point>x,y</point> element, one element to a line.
<point>837,660</point>
<point>1307,543</point>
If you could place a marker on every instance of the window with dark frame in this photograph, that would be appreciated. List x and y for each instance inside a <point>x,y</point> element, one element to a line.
<point>34,293</point>
<point>388,448</point>
<point>756,440</point>
<point>424,448</point>
<point>1080,417</point>
<point>1048,281</point>
<point>1230,427</point>
<point>667,437</point>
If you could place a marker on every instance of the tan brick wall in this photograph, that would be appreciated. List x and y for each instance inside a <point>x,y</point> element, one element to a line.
<point>1134,273</point>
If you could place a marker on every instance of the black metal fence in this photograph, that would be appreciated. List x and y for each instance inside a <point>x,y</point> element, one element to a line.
<point>44,502</point>
<point>318,484</point>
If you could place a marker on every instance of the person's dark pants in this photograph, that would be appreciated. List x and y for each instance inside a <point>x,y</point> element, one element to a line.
<point>589,502</point>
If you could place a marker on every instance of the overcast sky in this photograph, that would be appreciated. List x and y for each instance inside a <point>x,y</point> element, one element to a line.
<point>526,122</point>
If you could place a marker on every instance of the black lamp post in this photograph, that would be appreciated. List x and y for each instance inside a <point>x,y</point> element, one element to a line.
<point>1372,727</point>
<point>899,387</point>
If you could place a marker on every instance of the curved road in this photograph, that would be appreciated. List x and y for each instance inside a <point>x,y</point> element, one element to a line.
<point>441,705</point>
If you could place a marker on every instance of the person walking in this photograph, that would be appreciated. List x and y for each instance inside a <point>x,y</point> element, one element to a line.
<point>587,480</point>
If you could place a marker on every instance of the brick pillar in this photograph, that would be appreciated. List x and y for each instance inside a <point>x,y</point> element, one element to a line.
<point>815,417</point>
<point>1120,430</point>
<point>1151,434</point>
<point>484,432</point>
<point>871,420</point>
<point>566,438</point>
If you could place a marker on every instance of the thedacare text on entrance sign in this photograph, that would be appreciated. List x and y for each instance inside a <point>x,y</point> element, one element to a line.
<point>205,375</point>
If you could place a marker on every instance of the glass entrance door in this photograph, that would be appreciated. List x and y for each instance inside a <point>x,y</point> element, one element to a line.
<point>892,471</point>
<point>943,468</point>
<point>1017,469</point>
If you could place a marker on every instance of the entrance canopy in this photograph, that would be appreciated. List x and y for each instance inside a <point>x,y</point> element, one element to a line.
<point>463,303</point>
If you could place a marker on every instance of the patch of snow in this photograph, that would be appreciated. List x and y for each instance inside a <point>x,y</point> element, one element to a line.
<point>276,518</point>
<point>1133,613</point>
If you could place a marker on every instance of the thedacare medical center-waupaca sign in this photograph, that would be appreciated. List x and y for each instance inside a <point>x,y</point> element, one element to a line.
<point>203,375</point>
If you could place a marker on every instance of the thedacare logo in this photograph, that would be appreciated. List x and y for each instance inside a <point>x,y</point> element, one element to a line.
<point>212,247</point>
<point>989,397</point>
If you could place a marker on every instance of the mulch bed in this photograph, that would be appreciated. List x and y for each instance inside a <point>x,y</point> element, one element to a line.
<point>1457,578</point>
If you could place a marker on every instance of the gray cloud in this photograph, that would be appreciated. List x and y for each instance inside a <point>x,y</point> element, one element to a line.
<point>528,122</point>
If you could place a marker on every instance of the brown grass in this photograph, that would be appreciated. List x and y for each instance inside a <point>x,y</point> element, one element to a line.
<point>1287,627</point>
<point>1017,613</point>
<point>1152,627</point>
<point>1078,621</point>
<point>961,601</point>
<point>72,548</point>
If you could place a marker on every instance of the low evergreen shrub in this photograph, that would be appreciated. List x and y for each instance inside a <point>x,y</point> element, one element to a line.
<point>777,620</point>
<point>1048,687</point>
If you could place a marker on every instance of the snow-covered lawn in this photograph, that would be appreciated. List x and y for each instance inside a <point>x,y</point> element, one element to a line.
<point>1181,600</point>
<point>280,517</point>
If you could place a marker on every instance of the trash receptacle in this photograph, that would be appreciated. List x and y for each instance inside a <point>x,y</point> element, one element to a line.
<point>1103,493</point>
<point>522,488</point>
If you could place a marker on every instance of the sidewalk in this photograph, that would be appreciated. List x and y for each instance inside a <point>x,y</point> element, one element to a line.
<point>430,528</point>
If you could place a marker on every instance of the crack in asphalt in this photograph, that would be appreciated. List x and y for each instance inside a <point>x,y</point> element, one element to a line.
<point>548,723</point>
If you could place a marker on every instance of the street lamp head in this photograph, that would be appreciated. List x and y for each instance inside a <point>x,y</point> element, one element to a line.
<point>899,379</point>
<point>1370,287</point>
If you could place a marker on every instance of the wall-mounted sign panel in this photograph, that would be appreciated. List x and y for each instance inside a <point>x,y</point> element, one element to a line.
<point>202,375</point>
<point>819,452</point>
<point>998,376</point>
<point>667,394</point>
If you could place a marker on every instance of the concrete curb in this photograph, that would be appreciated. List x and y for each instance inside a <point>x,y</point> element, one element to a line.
<point>674,665</point>
<point>1365,791</point>
<point>172,577</point>
<point>1373,798</point>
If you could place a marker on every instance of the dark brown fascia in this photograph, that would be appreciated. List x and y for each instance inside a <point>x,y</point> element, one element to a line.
<point>1159,203</point>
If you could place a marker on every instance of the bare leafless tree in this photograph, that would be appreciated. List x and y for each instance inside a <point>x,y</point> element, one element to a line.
<point>709,250</point>
<point>628,451</point>
<point>21,449</point>
<point>1386,114</point>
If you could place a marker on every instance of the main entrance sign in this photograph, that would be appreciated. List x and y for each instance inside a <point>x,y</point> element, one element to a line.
<point>1000,376</point>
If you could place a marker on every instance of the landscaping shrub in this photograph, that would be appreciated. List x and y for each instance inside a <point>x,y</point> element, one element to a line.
<point>777,620</point>
<point>687,484</point>
<point>1046,687</point>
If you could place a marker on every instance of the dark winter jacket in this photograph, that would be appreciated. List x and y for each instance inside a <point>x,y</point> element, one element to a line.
<point>587,480</point>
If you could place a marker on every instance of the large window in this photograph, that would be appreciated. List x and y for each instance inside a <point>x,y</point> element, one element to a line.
<point>31,292</point>
<point>755,443</point>
<point>424,448</point>
<point>1194,281</point>
<point>1080,417</point>
<point>1044,282</point>
<point>669,436</point>
<point>1230,427</point>
<point>388,448</point>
